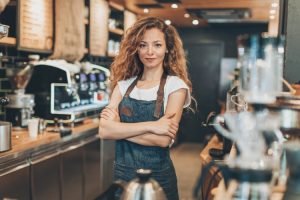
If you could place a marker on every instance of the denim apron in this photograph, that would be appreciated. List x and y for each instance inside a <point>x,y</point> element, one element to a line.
<point>131,156</point>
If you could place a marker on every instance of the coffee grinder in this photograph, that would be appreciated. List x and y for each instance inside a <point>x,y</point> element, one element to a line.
<point>20,108</point>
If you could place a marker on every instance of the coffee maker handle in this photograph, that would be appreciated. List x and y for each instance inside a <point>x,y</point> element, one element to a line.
<point>217,125</point>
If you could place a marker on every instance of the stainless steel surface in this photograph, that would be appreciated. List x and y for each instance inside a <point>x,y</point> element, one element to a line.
<point>20,100</point>
<point>15,178</point>
<point>45,165</point>
<point>72,171</point>
<point>45,158</point>
<point>107,157</point>
<point>45,161</point>
<point>3,30</point>
<point>92,163</point>
<point>5,136</point>
<point>288,109</point>
<point>21,166</point>
<point>143,187</point>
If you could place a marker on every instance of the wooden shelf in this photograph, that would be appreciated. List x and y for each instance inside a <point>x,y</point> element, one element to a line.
<point>11,41</point>
<point>117,31</point>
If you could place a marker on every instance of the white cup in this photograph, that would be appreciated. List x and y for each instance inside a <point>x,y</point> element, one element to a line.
<point>33,127</point>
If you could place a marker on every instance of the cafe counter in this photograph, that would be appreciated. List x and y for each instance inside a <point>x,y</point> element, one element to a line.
<point>76,166</point>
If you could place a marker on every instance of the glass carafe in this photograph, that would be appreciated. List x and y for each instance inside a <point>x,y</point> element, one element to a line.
<point>261,69</point>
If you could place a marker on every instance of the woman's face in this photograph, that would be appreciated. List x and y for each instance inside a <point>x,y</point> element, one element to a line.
<point>152,48</point>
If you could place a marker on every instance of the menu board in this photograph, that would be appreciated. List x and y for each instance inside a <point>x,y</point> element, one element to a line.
<point>99,13</point>
<point>35,25</point>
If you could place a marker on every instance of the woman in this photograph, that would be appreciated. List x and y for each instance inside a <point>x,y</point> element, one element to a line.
<point>150,89</point>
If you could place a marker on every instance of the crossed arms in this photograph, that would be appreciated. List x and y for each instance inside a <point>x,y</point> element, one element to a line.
<point>150,133</point>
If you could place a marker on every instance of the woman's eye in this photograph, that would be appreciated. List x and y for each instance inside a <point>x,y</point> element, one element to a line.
<point>142,45</point>
<point>158,45</point>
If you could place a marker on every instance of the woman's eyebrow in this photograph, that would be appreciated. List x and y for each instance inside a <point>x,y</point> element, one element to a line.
<point>152,42</point>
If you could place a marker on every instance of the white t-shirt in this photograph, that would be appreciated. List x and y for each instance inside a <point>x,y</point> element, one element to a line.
<point>173,83</point>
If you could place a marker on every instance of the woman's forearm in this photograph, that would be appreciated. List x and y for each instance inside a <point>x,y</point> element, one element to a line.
<point>109,129</point>
<point>150,139</point>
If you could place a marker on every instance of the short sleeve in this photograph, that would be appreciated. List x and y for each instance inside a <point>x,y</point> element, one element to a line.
<point>124,84</point>
<point>173,84</point>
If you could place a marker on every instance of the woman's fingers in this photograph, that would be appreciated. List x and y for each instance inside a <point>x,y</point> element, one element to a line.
<point>106,113</point>
<point>104,116</point>
<point>110,114</point>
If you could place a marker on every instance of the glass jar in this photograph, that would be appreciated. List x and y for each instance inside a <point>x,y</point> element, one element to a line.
<point>261,69</point>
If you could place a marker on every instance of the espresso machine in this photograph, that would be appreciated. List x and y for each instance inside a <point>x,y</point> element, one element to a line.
<point>20,108</point>
<point>98,77</point>
<point>83,88</point>
<point>64,91</point>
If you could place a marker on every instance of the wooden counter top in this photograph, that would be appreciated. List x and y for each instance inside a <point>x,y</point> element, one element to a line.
<point>213,143</point>
<point>21,141</point>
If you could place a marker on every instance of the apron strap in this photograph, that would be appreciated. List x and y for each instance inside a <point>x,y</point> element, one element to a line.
<point>160,95</point>
<point>130,88</point>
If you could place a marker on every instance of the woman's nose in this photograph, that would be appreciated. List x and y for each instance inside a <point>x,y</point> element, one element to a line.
<point>150,50</point>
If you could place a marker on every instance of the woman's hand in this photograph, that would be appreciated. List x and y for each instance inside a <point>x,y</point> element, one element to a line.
<point>110,114</point>
<point>165,126</point>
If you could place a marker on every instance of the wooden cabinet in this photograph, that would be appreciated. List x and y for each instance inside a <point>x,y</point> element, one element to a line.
<point>45,174</point>
<point>107,163</point>
<point>92,169</point>
<point>72,171</point>
<point>15,179</point>
<point>81,168</point>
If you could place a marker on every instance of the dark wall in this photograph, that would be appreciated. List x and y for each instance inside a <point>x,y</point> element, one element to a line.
<point>292,58</point>
<point>205,48</point>
<point>226,33</point>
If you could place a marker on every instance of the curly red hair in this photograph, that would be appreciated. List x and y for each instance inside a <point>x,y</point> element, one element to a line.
<point>127,63</point>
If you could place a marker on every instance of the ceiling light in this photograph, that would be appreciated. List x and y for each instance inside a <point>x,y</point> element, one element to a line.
<point>274,5</point>
<point>272,12</point>
<point>174,5</point>
<point>272,17</point>
<point>146,10</point>
<point>186,15</point>
<point>195,22</point>
<point>167,21</point>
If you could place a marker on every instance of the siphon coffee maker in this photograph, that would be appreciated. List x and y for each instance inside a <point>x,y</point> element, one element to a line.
<point>20,108</point>
<point>247,175</point>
